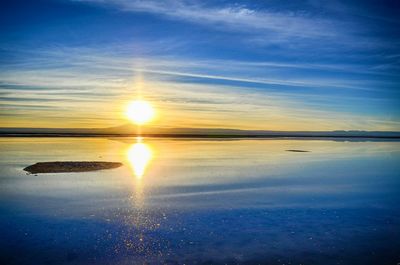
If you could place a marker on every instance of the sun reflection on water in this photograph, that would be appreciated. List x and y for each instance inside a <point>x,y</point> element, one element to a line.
<point>139,156</point>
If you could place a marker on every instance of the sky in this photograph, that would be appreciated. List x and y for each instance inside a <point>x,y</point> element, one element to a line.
<point>269,65</point>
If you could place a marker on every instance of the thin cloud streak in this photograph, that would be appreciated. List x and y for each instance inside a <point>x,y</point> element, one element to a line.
<point>234,17</point>
<point>260,26</point>
<point>115,69</point>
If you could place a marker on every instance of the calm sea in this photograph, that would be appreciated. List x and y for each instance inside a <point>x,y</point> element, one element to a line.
<point>201,201</point>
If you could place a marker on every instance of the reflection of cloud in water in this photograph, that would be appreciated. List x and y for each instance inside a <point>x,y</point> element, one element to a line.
<point>214,202</point>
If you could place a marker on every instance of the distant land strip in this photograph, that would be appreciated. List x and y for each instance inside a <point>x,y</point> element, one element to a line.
<point>129,130</point>
<point>290,135</point>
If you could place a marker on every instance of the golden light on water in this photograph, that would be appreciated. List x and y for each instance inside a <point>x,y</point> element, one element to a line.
<point>139,156</point>
<point>140,112</point>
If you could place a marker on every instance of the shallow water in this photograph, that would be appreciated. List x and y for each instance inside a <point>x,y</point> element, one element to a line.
<point>196,201</point>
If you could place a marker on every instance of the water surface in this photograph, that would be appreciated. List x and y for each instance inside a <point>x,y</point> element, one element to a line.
<point>201,201</point>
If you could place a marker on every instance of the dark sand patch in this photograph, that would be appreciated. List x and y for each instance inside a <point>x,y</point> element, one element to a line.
<point>298,151</point>
<point>70,166</point>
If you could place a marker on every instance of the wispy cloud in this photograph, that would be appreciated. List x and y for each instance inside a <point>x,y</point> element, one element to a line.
<point>232,17</point>
<point>89,84</point>
<point>263,24</point>
<point>113,70</point>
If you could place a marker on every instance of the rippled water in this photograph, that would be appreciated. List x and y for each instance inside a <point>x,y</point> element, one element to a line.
<point>195,201</point>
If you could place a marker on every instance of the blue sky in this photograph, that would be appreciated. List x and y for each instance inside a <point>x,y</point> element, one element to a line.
<point>279,65</point>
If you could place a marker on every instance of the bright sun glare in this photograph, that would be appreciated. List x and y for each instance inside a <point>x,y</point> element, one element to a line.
<point>139,156</point>
<point>140,112</point>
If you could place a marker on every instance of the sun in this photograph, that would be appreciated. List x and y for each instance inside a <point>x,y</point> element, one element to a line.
<point>140,112</point>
